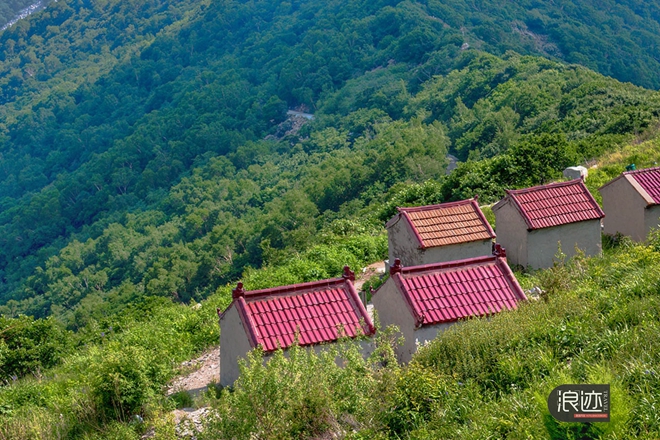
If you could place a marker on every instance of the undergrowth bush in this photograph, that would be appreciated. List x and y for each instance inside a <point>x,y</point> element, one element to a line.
<point>120,382</point>
<point>302,393</point>
<point>482,378</point>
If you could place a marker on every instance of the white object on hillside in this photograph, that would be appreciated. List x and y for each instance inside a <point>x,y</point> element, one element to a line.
<point>578,172</point>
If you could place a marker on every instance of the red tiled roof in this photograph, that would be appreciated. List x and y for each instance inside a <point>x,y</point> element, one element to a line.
<point>446,292</point>
<point>649,180</point>
<point>555,204</point>
<point>316,310</point>
<point>447,223</point>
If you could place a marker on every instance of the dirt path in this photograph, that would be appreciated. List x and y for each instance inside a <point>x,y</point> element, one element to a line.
<point>206,370</point>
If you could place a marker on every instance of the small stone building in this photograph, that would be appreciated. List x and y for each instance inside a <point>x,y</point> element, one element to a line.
<point>445,232</point>
<point>316,311</point>
<point>425,300</point>
<point>531,223</point>
<point>632,203</point>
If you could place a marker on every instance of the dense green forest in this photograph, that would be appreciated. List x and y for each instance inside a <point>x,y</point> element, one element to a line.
<point>149,131</point>
<point>147,163</point>
<point>255,204</point>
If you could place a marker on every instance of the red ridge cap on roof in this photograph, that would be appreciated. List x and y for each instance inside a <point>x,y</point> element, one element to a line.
<point>436,206</point>
<point>434,229</point>
<point>447,264</point>
<point>357,302</point>
<point>545,212</point>
<point>253,294</point>
<point>248,323</point>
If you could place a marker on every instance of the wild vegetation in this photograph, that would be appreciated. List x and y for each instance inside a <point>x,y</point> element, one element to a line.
<point>527,119</point>
<point>144,168</point>
<point>121,130</point>
<point>596,323</point>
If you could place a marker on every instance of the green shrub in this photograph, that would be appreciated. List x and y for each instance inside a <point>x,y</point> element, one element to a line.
<point>119,381</point>
<point>182,399</point>
<point>29,345</point>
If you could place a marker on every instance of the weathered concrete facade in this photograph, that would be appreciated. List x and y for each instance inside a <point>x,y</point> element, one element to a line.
<point>537,248</point>
<point>401,243</point>
<point>652,218</point>
<point>234,345</point>
<point>629,209</point>
<point>512,232</point>
<point>543,244</point>
<point>393,310</point>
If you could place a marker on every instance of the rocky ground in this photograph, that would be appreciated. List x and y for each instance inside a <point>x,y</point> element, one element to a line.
<point>189,422</point>
<point>204,371</point>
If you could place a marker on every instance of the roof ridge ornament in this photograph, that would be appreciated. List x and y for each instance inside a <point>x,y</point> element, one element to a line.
<point>499,251</point>
<point>238,292</point>
<point>396,267</point>
<point>348,274</point>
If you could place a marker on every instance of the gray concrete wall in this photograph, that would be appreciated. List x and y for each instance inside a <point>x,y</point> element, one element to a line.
<point>511,231</point>
<point>234,344</point>
<point>543,243</point>
<point>651,218</point>
<point>427,333</point>
<point>366,348</point>
<point>403,244</point>
<point>459,251</point>
<point>393,310</point>
<point>624,210</point>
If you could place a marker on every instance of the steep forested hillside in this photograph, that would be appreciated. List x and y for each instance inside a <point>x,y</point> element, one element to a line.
<point>147,161</point>
<point>122,119</point>
<point>256,201</point>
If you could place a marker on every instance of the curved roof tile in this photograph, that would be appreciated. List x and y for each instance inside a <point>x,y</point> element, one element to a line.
<point>447,223</point>
<point>555,204</point>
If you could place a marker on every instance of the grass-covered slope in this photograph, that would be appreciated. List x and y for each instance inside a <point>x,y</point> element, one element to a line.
<point>485,378</point>
<point>597,322</point>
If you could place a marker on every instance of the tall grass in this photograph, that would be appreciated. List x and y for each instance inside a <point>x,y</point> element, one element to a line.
<point>485,378</point>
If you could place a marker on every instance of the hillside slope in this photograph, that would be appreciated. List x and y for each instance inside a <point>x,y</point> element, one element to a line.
<point>148,226</point>
<point>144,166</point>
<point>486,378</point>
<point>125,127</point>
